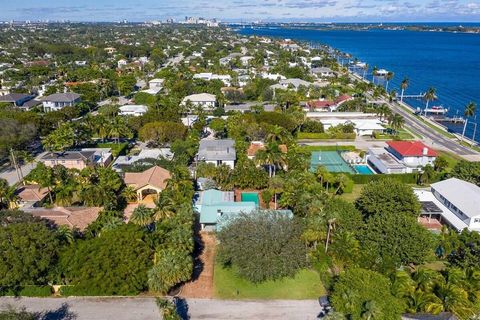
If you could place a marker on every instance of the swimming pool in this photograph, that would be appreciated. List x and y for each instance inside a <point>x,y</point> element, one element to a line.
<point>250,197</point>
<point>363,169</point>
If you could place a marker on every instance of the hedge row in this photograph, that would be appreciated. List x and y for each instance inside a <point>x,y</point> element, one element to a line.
<point>328,148</point>
<point>408,178</point>
<point>326,136</point>
<point>28,291</point>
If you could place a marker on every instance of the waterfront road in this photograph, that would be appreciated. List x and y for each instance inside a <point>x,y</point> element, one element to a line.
<point>432,137</point>
<point>92,308</point>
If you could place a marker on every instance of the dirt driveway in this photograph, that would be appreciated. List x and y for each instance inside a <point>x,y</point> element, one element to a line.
<point>202,284</point>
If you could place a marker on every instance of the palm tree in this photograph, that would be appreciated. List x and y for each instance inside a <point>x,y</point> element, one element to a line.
<point>277,134</point>
<point>341,181</point>
<point>165,208</point>
<point>396,122</point>
<point>142,216</point>
<point>365,70</point>
<point>430,95</point>
<point>470,110</point>
<point>388,77</point>
<point>427,174</point>
<point>374,73</point>
<point>404,86</point>
<point>129,194</point>
<point>276,186</point>
<point>272,157</point>
<point>7,194</point>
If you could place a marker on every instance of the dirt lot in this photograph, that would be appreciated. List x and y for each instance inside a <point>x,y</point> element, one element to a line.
<point>202,285</point>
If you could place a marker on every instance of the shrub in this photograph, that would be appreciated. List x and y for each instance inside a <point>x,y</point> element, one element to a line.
<point>36,291</point>
<point>326,136</point>
<point>263,245</point>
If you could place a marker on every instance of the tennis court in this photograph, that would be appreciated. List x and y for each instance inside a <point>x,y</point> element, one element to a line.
<point>330,160</point>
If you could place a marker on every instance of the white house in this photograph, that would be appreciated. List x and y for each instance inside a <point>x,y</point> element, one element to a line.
<point>272,76</point>
<point>455,201</point>
<point>384,162</point>
<point>154,86</point>
<point>413,154</point>
<point>217,152</point>
<point>205,100</point>
<point>121,63</point>
<point>58,101</point>
<point>245,60</point>
<point>323,72</point>
<point>135,110</point>
<point>207,76</point>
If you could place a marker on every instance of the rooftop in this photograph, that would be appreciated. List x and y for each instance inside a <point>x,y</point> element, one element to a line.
<point>62,97</point>
<point>212,150</point>
<point>462,194</point>
<point>411,148</point>
<point>72,217</point>
<point>155,176</point>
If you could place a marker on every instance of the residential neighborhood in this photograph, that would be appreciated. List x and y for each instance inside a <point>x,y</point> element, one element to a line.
<point>182,161</point>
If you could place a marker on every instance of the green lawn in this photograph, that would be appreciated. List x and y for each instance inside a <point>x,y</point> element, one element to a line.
<point>305,285</point>
<point>402,135</point>
<point>451,158</point>
<point>352,196</point>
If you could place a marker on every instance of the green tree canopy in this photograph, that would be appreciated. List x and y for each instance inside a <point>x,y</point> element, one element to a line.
<point>263,245</point>
<point>387,195</point>
<point>365,294</point>
<point>117,263</point>
<point>28,250</point>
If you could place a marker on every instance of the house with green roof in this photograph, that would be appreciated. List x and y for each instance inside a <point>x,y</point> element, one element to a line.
<point>215,206</point>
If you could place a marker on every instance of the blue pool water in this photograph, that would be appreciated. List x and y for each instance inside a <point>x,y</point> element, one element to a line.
<point>251,197</point>
<point>450,62</point>
<point>363,169</point>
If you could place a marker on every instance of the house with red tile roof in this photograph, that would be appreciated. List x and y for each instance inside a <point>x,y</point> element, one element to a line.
<point>413,154</point>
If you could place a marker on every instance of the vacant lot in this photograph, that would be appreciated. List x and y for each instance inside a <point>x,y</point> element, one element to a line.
<point>305,285</point>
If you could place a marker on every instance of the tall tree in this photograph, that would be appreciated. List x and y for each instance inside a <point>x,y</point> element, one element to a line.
<point>404,85</point>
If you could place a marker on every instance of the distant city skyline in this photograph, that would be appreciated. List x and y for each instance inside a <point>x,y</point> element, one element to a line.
<point>246,10</point>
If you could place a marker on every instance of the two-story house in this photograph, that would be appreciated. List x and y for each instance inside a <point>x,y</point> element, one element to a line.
<point>217,152</point>
<point>58,101</point>
<point>413,154</point>
<point>206,101</point>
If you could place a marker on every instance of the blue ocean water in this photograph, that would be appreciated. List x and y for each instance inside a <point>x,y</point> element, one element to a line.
<point>449,62</point>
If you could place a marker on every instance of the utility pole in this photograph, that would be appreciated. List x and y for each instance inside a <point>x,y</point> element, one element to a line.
<point>15,165</point>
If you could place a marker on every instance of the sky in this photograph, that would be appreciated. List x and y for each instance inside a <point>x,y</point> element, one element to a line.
<point>245,10</point>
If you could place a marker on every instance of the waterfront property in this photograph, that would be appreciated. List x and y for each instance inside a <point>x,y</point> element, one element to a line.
<point>401,157</point>
<point>217,152</point>
<point>365,124</point>
<point>453,202</point>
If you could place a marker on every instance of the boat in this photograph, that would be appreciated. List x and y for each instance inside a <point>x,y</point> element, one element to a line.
<point>436,110</point>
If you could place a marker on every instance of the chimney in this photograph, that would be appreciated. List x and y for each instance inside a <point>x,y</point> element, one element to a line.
<point>425,151</point>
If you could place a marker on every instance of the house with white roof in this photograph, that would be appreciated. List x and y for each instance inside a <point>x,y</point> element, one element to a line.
<point>208,76</point>
<point>454,202</point>
<point>154,86</point>
<point>135,110</point>
<point>206,101</point>
<point>141,158</point>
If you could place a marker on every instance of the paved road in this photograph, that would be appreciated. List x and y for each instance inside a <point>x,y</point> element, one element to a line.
<point>87,308</point>
<point>145,308</point>
<point>253,309</point>
<point>10,174</point>
<point>429,135</point>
